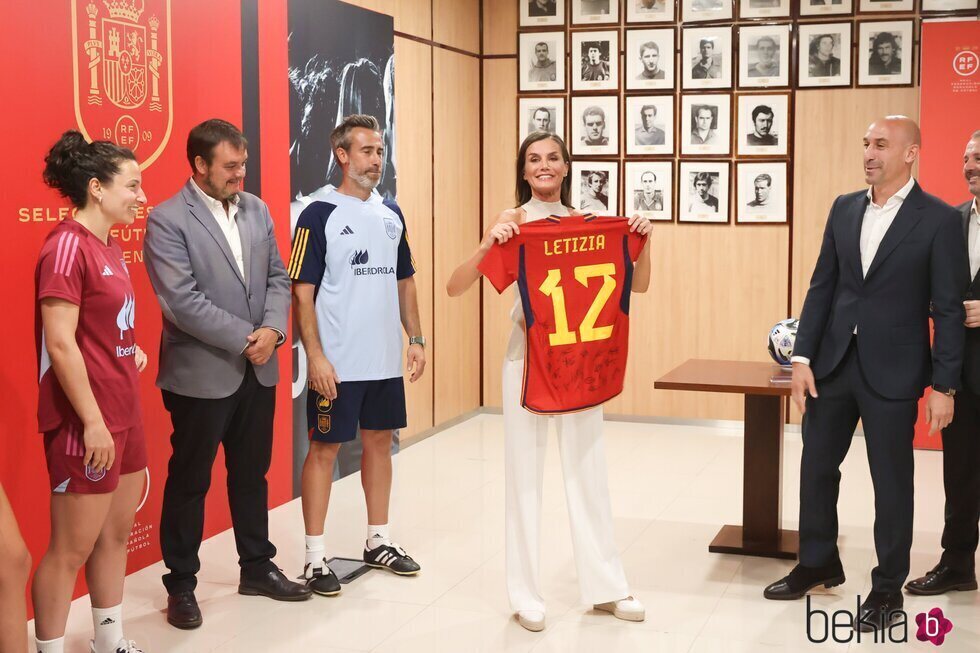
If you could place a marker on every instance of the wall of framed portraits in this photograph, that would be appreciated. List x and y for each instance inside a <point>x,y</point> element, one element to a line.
<point>733,124</point>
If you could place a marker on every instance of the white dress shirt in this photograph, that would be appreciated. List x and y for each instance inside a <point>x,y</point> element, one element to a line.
<point>974,240</point>
<point>227,222</point>
<point>229,227</point>
<point>877,220</point>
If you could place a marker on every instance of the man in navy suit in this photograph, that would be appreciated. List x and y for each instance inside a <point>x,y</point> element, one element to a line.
<point>961,439</point>
<point>889,254</point>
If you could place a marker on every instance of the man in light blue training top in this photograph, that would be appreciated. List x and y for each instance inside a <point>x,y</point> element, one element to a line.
<point>354,290</point>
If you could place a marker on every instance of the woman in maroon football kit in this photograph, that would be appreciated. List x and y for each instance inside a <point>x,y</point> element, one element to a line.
<point>15,567</point>
<point>543,191</point>
<point>88,404</point>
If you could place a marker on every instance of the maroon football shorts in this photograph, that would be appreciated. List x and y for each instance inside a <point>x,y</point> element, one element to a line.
<point>64,449</point>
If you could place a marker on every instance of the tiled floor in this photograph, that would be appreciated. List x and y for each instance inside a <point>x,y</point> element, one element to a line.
<point>672,488</point>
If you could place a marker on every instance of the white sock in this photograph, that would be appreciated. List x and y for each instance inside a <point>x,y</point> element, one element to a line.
<point>51,645</point>
<point>315,548</point>
<point>377,536</point>
<point>108,628</point>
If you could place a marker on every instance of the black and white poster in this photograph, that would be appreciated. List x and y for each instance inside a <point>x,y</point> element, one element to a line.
<point>341,62</point>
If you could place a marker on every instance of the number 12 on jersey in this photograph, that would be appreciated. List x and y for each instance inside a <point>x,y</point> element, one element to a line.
<point>587,330</point>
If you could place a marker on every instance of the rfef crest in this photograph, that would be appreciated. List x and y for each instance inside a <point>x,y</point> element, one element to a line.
<point>123,75</point>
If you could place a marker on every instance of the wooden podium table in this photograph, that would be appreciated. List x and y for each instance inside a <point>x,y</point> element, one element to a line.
<point>765,413</point>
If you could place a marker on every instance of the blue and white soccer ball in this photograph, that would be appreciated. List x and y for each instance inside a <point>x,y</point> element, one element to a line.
<point>782,338</point>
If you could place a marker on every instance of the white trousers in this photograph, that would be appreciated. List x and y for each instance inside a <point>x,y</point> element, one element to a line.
<point>583,461</point>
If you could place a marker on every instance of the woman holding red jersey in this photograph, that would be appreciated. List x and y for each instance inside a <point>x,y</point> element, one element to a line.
<point>543,190</point>
<point>88,405</point>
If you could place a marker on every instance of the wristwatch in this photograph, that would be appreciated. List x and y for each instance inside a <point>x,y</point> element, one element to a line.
<point>949,392</point>
<point>417,340</point>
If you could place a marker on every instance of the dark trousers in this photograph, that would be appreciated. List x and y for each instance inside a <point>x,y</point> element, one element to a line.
<point>242,423</point>
<point>828,427</point>
<point>961,478</point>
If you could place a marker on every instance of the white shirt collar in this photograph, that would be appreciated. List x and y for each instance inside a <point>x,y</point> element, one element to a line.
<point>899,196</point>
<point>975,211</point>
<point>211,202</point>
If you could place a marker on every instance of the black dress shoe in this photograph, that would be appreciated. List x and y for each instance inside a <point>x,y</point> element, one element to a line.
<point>878,611</point>
<point>274,585</point>
<point>942,579</point>
<point>803,579</point>
<point>183,611</point>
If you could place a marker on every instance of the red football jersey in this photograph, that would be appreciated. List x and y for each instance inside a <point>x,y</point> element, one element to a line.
<point>574,275</point>
<point>76,266</point>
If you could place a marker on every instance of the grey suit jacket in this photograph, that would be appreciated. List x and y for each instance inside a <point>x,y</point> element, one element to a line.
<point>209,310</point>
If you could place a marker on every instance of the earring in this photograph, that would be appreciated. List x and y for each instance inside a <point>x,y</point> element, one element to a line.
<point>99,198</point>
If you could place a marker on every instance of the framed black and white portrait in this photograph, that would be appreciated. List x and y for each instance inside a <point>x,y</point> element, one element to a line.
<point>763,58</point>
<point>650,59</point>
<point>702,191</point>
<point>706,124</point>
<point>542,61</point>
<point>649,125</point>
<point>706,59</point>
<point>595,12</point>
<point>885,6</point>
<point>649,189</point>
<point>826,7</point>
<point>595,125</point>
<point>930,6</point>
<point>762,128</point>
<point>825,55</point>
<point>694,11</point>
<point>595,61</point>
<point>764,8</point>
<point>595,187</point>
<point>538,13</point>
<point>761,192</point>
<point>650,11</point>
<point>541,114</point>
<point>884,53</point>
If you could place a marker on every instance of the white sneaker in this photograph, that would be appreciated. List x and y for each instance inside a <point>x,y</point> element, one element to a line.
<point>532,620</point>
<point>628,609</point>
<point>123,646</point>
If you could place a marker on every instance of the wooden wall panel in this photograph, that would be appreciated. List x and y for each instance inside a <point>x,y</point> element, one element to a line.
<point>457,23</point>
<point>413,116</point>
<point>411,16</point>
<point>500,19</point>
<point>499,154</point>
<point>715,292</point>
<point>456,337</point>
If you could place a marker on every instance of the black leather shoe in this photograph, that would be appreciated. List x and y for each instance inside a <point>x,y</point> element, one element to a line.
<point>942,579</point>
<point>274,585</point>
<point>803,579</point>
<point>878,611</point>
<point>183,611</point>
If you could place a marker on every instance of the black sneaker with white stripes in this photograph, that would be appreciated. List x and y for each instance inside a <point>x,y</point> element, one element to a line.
<point>391,557</point>
<point>324,584</point>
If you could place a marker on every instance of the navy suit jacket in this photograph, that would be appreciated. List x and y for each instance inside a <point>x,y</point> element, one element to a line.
<point>920,264</point>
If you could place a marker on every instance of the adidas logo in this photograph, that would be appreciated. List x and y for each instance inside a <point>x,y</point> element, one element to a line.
<point>347,231</point>
<point>106,271</point>
<point>359,258</point>
<point>107,621</point>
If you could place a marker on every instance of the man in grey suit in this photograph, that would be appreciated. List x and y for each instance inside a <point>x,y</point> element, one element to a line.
<point>212,258</point>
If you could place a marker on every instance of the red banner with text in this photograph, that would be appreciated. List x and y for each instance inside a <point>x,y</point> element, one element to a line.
<point>140,73</point>
<point>949,98</point>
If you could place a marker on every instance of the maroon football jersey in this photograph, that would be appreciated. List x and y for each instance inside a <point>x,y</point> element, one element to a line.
<point>76,266</point>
